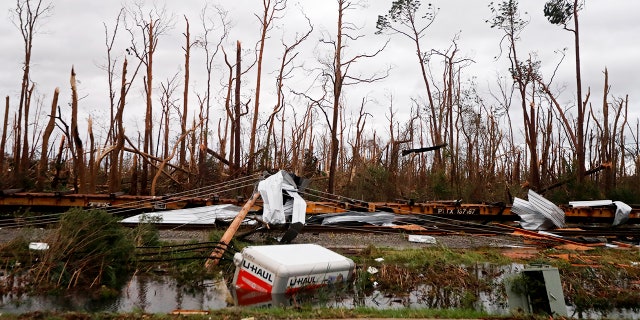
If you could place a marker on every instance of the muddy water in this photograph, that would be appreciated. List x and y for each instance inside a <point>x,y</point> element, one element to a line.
<point>157,295</point>
<point>164,295</point>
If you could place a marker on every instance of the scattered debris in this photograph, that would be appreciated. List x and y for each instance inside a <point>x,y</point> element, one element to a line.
<point>411,227</point>
<point>39,246</point>
<point>372,218</point>
<point>573,247</point>
<point>206,215</point>
<point>520,253</point>
<point>622,209</point>
<point>226,238</point>
<point>276,191</point>
<point>538,213</point>
<point>181,312</point>
<point>542,236</point>
<point>421,239</point>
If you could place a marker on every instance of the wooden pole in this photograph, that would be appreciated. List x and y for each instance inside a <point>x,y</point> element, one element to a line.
<point>217,253</point>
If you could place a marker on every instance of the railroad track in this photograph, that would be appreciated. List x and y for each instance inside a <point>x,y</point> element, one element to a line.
<point>421,225</point>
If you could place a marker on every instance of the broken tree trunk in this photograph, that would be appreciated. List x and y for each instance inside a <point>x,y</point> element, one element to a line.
<point>42,166</point>
<point>78,163</point>
<point>236,111</point>
<point>3,141</point>
<point>58,166</point>
<point>91,183</point>
<point>217,253</point>
<point>419,150</point>
<point>589,172</point>
<point>116,154</point>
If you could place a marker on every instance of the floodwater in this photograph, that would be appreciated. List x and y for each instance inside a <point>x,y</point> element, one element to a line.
<point>162,294</point>
<point>141,294</point>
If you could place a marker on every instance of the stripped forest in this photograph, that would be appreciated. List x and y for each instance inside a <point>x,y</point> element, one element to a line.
<point>454,144</point>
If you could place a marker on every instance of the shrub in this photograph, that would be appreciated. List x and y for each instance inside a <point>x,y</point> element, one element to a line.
<point>89,248</point>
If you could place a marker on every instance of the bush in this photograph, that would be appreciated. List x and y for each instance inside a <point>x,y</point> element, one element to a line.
<point>90,248</point>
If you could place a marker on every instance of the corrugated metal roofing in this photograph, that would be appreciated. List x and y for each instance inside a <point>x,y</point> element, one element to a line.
<point>538,213</point>
<point>547,209</point>
<point>199,215</point>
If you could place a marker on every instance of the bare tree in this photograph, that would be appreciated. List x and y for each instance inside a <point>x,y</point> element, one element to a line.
<point>27,17</point>
<point>42,167</point>
<point>286,68</point>
<point>229,122</point>
<point>3,142</point>
<point>151,26</point>
<point>507,17</point>
<point>357,143</point>
<point>561,12</point>
<point>445,121</point>
<point>168,158</point>
<point>79,165</point>
<point>110,69</point>
<point>183,122</point>
<point>119,134</point>
<point>236,109</point>
<point>338,75</point>
<point>117,102</point>
<point>270,10</point>
<point>168,102</point>
<point>406,18</point>
<point>211,50</point>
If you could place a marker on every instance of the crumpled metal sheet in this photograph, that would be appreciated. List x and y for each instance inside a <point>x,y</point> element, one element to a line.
<point>622,213</point>
<point>547,209</point>
<point>538,213</point>
<point>346,218</point>
<point>198,215</point>
<point>530,218</point>
<point>622,209</point>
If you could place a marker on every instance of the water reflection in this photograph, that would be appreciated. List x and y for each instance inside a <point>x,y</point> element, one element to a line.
<point>141,294</point>
<point>164,295</point>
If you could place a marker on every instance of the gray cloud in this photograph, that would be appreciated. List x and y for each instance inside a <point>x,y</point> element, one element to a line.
<point>74,36</point>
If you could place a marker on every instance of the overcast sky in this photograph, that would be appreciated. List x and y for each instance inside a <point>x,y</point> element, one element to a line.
<point>74,35</point>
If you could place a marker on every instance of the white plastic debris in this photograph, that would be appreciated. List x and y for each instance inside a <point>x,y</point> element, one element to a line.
<point>40,246</point>
<point>271,190</point>
<point>421,239</point>
<point>590,203</point>
<point>622,213</point>
<point>372,270</point>
<point>379,259</point>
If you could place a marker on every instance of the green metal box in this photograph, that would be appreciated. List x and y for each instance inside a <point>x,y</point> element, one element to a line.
<point>537,290</point>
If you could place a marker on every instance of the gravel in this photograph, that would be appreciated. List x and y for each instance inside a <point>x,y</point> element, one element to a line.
<point>325,239</point>
<point>401,241</point>
<point>31,234</point>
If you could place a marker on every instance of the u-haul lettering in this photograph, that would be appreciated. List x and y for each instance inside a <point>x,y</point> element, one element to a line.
<point>302,281</point>
<point>258,271</point>
<point>315,280</point>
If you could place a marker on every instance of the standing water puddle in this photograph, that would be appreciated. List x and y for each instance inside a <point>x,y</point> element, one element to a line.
<point>142,293</point>
<point>164,295</point>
